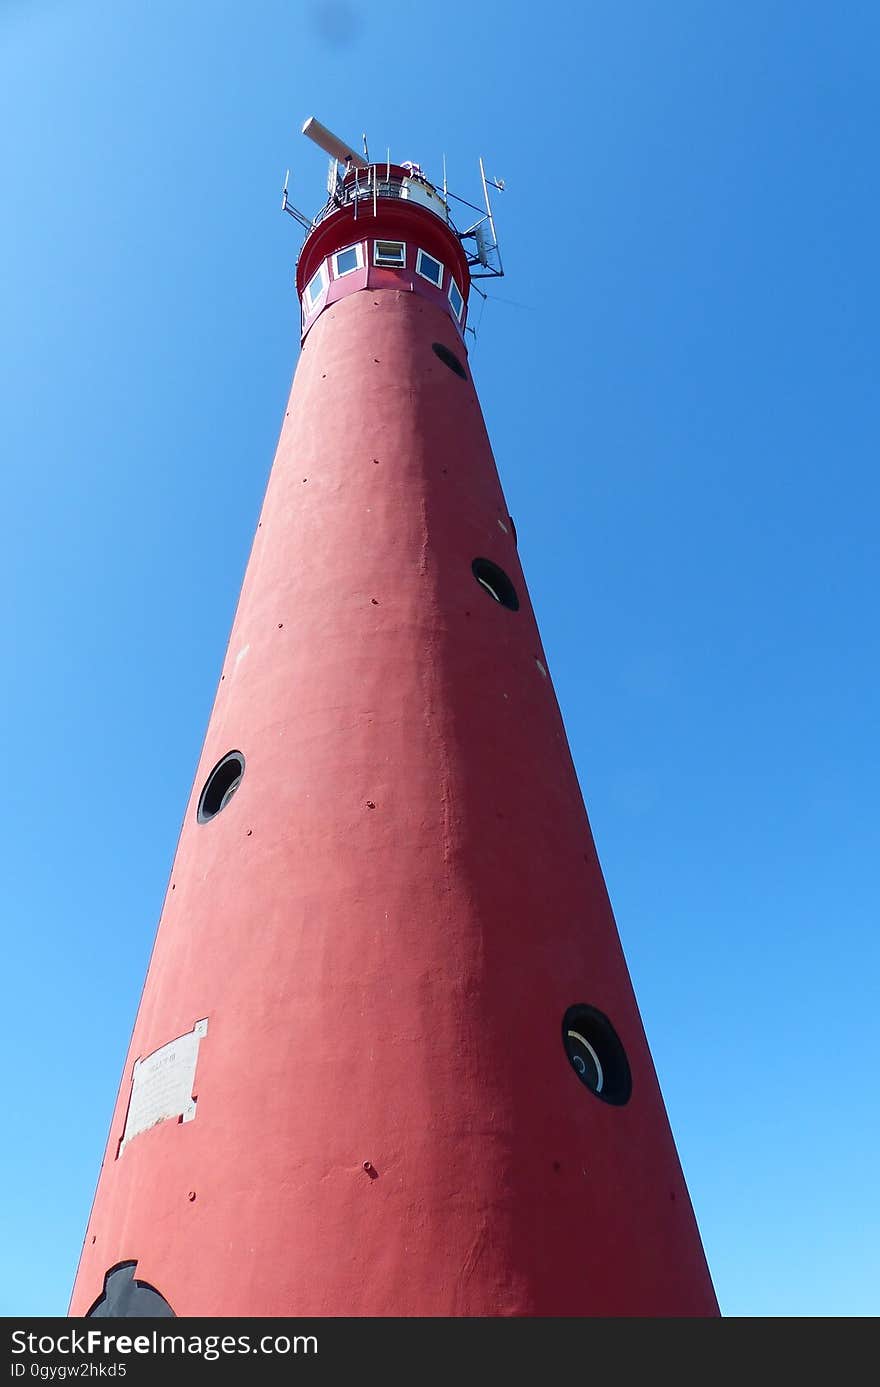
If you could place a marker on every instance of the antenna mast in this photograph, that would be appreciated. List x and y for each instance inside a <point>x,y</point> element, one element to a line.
<point>288,207</point>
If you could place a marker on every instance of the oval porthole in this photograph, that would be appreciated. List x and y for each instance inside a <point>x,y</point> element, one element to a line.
<point>596,1054</point>
<point>220,786</point>
<point>125,1298</point>
<point>449,359</point>
<point>496,583</point>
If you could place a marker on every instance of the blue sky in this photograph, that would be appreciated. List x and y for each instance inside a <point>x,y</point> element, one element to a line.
<point>677,379</point>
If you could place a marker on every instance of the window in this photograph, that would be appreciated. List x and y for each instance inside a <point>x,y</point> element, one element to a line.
<point>596,1055</point>
<point>316,286</point>
<point>496,583</point>
<point>390,253</point>
<point>344,261</point>
<point>429,268</point>
<point>220,786</point>
<point>455,298</point>
<point>125,1298</point>
<point>449,359</point>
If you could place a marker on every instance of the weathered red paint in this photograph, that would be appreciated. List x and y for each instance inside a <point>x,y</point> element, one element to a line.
<point>388,920</point>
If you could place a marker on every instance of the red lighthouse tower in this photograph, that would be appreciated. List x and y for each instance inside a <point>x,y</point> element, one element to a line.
<point>388,1060</point>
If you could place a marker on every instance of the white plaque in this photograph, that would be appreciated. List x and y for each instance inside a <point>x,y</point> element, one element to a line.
<point>162,1084</point>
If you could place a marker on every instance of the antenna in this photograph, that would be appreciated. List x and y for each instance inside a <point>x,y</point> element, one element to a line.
<point>331,144</point>
<point>482,232</point>
<point>489,207</point>
<point>288,207</point>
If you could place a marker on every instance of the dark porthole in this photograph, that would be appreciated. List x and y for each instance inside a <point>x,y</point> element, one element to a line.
<point>220,786</point>
<point>449,359</point>
<point>496,583</point>
<point>596,1054</point>
<point>125,1298</point>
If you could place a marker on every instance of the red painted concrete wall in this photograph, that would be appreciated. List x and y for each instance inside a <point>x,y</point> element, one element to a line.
<point>386,923</point>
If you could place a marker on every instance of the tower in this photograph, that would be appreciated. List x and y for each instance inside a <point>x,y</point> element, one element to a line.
<point>388,1060</point>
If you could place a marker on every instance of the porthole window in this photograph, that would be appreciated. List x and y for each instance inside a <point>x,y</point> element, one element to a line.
<point>496,583</point>
<point>220,786</point>
<point>429,269</point>
<point>596,1054</point>
<point>125,1298</point>
<point>345,261</point>
<point>390,253</point>
<point>449,359</point>
<point>455,298</point>
<point>316,286</point>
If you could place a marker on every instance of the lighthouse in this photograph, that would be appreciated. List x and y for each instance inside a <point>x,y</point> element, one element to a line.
<point>388,1060</point>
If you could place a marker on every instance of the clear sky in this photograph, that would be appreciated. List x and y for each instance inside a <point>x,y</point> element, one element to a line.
<point>678,381</point>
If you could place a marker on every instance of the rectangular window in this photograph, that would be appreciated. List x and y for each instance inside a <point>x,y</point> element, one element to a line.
<point>455,298</point>
<point>390,253</point>
<point>316,286</point>
<point>344,261</point>
<point>429,268</point>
